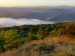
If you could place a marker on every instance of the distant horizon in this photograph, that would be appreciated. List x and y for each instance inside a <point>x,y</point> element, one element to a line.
<point>37,6</point>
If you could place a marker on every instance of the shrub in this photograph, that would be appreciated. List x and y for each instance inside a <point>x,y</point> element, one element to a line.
<point>56,32</point>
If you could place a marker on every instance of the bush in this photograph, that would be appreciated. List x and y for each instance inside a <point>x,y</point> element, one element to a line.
<point>56,32</point>
<point>2,43</point>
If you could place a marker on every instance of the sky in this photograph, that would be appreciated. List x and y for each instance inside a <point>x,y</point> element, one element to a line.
<point>17,3</point>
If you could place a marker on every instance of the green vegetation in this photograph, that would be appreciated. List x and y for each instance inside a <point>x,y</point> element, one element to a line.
<point>13,37</point>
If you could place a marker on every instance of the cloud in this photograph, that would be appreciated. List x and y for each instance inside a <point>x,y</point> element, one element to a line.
<point>8,22</point>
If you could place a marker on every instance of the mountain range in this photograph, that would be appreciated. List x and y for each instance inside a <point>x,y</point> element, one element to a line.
<point>50,13</point>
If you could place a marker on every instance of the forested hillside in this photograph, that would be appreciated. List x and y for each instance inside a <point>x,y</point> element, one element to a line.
<point>13,37</point>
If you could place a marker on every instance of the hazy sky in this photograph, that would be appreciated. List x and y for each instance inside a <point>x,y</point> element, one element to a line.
<point>9,3</point>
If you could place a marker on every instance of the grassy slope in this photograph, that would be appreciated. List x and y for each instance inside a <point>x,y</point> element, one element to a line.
<point>62,45</point>
<point>57,46</point>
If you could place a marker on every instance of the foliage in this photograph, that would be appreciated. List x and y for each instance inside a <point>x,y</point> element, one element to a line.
<point>56,32</point>
<point>12,37</point>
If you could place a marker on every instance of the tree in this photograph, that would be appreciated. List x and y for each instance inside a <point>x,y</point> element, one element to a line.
<point>2,43</point>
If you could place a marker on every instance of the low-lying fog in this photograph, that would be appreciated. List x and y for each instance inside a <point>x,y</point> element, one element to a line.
<point>8,22</point>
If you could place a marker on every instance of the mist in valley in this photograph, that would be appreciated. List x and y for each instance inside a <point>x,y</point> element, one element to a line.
<point>8,22</point>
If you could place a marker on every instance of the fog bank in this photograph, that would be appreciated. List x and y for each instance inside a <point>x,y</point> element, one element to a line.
<point>8,22</point>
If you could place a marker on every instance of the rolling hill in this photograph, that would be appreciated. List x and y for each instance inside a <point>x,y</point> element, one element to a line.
<point>53,13</point>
